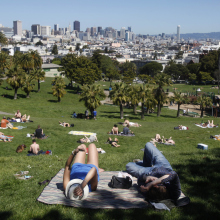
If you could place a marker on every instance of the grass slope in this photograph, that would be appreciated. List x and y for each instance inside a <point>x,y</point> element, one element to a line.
<point>199,170</point>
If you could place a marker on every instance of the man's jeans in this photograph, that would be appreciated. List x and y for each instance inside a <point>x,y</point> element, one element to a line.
<point>152,158</point>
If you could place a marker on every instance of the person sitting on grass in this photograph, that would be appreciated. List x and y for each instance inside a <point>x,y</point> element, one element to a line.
<point>115,129</point>
<point>39,132</point>
<point>18,114</point>
<point>156,178</point>
<point>64,124</point>
<point>74,115</point>
<point>34,148</point>
<point>4,122</point>
<point>126,130</point>
<point>4,138</point>
<point>86,174</point>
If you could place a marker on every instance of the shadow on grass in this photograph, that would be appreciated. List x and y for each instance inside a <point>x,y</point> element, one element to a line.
<point>53,214</point>
<point>55,101</point>
<point>5,215</point>
<point>168,116</point>
<point>202,178</point>
<point>49,93</point>
<point>6,88</point>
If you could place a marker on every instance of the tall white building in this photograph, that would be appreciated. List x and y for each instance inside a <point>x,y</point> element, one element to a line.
<point>45,30</point>
<point>17,25</point>
<point>178,33</point>
<point>56,27</point>
<point>122,32</point>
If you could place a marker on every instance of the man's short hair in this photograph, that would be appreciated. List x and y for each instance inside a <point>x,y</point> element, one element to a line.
<point>4,117</point>
<point>34,141</point>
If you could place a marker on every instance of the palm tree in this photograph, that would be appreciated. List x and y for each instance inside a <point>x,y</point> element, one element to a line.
<point>15,78</point>
<point>133,95</point>
<point>28,85</point>
<point>3,64</point>
<point>161,80</point>
<point>204,102</point>
<point>27,62</point>
<point>37,59</point>
<point>180,99</point>
<point>39,75</point>
<point>92,95</point>
<point>144,92</point>
<point>58,87</point>
<point>119,95</point>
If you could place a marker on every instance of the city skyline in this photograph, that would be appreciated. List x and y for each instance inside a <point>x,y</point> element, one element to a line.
<point>144,17</point>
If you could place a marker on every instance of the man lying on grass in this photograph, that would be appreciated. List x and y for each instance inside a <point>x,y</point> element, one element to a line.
<point>156,178</point>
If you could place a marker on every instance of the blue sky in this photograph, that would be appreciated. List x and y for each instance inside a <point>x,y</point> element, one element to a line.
<point>144,16</point>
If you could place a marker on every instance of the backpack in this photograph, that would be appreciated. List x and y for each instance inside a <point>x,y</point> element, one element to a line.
<point>120,182</point>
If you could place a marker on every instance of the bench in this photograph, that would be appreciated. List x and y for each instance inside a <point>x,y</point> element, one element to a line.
<point>194,114</point>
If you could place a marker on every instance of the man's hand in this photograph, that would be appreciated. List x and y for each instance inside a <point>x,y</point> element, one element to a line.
<point>78,191</point>
<point>150,179</point>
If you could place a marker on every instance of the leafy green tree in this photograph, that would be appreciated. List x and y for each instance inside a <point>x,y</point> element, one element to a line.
<point>119,96</point>
<point>58,87</point>
<point>39,75</point>
<point>204,102</point>
<point>15,78</point>
<point>144,92</point>
<point>28,84</point>
<point>37,59</point>
<point>161,80</point>
<point>112,73</point>
<point>3,39</point>
<point>194,68</point>
<point>192,77</point>
<point>180,99</point>
<point>78,46</point>
<point>151,68</point>
<point>27,62</point>
<point>55,49</point>
<point>4,64</point>
<point>179,55</point>
<point>133,95</point>
<point>128,71</point>
<point>217,76</point>
<point>92,96</point>
<point>128,76</point>
<point>205,76</point>
<point>39,43</point>
<point>70,49</point>
<point>176,71</point>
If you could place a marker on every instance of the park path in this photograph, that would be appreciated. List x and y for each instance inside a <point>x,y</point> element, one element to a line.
<point>5,113</point>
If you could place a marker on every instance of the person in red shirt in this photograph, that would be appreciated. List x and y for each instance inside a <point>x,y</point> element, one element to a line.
<point>4,122</point>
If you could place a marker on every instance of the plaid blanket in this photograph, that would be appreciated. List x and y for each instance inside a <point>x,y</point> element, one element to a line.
<point>103,198</point>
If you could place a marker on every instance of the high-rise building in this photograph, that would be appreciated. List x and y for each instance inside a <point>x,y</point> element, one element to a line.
<point>93,31</point>
<point>76,26</point>
<point>69,27</point>
<point>35,28</point>
<point>17,28</point>
<point>99,30</point>
<point>45,30</point>
<point>56,27</point>
<point>129,29</point>
<point>122,32</point>
<point>178,33</point>
<point>127,38</point>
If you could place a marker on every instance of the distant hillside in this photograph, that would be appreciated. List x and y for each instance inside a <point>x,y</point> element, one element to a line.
<point>201,36</point>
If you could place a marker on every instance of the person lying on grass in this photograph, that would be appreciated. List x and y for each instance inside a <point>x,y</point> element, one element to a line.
<point>131,124</point>
<point>156,178</point>
<point>64,124</point>
<point>87,173</point>
<point>4,138</point>
<point>91,139</point>
<point>113,143</point>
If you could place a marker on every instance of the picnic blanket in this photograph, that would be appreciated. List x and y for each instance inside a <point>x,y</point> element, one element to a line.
<point>103,198</point>
<point>19,127</point>
<point>81,133</point>
<point>121,134</point>
<point>49,152</point>
<point>45,137</point>
<point>8,137</point>
<point>208,126</point>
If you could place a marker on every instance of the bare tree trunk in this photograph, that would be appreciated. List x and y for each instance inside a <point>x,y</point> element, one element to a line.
<point>178,111</point>
<point>28,95</point>
<point>15,95</point>
<point>201,112</point>
<point>142,110</point>
<point>158,109</point>
<point>38,81</point>
<point>135,109</point>
<point>121,111</point>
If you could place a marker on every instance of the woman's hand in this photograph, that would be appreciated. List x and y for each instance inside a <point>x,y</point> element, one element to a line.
<point>78,191</point>
<point>146,188</point>
<point>80,148</point>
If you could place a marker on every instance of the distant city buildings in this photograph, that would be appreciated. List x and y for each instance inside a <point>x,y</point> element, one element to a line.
<point>45,30</point>
<point>178,33</point>
<point>35,28</point>
<point>17,25</point>
<point>56,27</point>
<point>76,26</point>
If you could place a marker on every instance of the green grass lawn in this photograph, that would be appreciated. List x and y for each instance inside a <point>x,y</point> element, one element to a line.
<point>199,170</point>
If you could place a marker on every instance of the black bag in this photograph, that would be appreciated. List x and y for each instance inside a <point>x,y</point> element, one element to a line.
<point>72,125</point>
<point>122,183</point>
